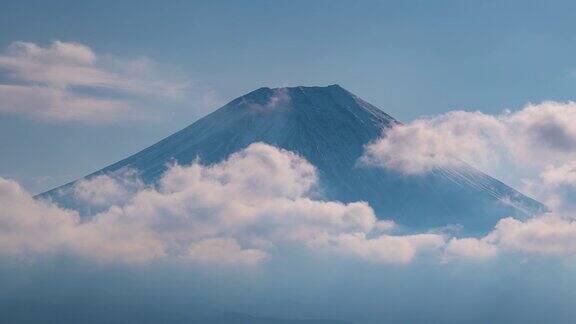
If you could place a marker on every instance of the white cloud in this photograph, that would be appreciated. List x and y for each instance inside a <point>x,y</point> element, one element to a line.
<point>533,149</point>
<point>536,144</point>
<point>469,248</point>
<point>396,249</point>
<point>240,211</point>
<point>555,186</point>
<point>545,235</point>
<point>106,190</point>
<point>69,82</point>
<point>426,144</point>
<point>223,251</point>
<point>251,207</point>
<point>535,136</point>
<point>27,225</point>
<point>560,176</point>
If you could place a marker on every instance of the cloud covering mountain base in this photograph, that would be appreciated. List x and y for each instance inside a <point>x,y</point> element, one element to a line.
<point>260,203</point>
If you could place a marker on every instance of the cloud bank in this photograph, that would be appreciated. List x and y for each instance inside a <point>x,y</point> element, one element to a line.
<point>255,205</point>
<point>260,203</point>
<point>67,81</point>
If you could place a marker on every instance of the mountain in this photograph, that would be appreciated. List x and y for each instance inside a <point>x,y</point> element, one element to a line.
<point>330,126</point>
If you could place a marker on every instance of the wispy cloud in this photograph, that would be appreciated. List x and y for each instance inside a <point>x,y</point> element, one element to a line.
<point>70,82</point>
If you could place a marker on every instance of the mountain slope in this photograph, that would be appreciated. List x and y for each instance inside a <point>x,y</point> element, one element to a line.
<point>329,126</point>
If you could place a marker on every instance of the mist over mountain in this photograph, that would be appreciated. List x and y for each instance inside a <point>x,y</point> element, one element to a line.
<point>330,127</point>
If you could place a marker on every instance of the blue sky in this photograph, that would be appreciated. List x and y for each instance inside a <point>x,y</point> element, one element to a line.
<point>408,58</point>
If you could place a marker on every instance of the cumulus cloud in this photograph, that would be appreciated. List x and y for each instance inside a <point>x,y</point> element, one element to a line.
<point>29,225</point>
<point>108,189</point>
<point>545,235</point>
<point>257,204</point>
<point>536,145</point>
<point>67,81</point>
<point>533,148</point>
<point>442,141</point>
<point>469,248</point>
<point>555,186</point>
<point>243,210</point>
<point>535,136</point>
